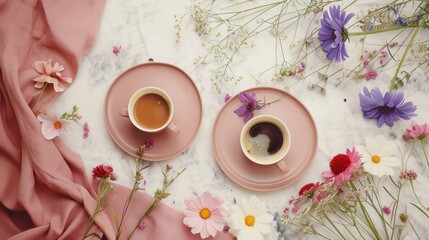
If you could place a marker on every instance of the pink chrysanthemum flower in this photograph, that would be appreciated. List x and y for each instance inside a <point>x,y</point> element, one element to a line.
<point>417,132</point>
<point>50,74</point>
<point>204,215</point>
<point>52,125</point>
<point>102,171</point>
<point>342,166</point>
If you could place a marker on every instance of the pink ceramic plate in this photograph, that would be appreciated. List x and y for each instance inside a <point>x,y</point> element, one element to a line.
<point>187,109</point>
<point>233,162</point>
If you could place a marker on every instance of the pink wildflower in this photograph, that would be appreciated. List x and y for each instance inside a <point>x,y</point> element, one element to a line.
<point>408,175</point>
<point>417,132</point>
<point>142,226</point>
<point>52,125</point>
<point>227,97</point>
<point>50,74</point>
<point>116,50</point>
<point>150,142</point>
<point>393,44</point>
<point>386,210</point>
<point>85,130</point>
<point>365,63</point>
<point>302,67</point>
<point>371,75</point>
<point>342,166</point>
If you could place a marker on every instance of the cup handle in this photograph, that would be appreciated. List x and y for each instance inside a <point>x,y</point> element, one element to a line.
<point>283,167</point>
<point>172,127</point>
<point>124,112</point>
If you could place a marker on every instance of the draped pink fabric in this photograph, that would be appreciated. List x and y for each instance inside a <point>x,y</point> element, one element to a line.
<point>45,192</point>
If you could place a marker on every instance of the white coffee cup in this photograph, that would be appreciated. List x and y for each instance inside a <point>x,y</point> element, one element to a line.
<point>151,110</point>
<point>256,148</point>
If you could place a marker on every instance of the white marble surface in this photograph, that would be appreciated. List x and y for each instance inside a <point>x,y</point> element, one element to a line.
<point>145,29</point>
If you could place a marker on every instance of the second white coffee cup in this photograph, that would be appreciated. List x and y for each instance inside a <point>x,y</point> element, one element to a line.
<point>270,142</point>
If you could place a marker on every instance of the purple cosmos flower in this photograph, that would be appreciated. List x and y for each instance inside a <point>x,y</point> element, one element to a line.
<point>333,34</point>
<point>249,105</point>
<point>387,108</point>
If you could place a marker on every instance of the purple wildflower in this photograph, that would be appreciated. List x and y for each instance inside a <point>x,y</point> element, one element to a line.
<point>85,130</point>
<point>387,108</point>
<point>333,34</point>
<point>150,142</point>
<point>401,21</point>
<point>249,105</point>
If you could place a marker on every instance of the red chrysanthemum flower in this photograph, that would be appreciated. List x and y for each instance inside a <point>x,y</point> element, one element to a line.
<point>339,163</point>
<point>102,171</point>
<point>342,166</point>
<point>305,188</point>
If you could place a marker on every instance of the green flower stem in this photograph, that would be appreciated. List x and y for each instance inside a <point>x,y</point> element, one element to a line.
<point>392,85</point>
<point>381,30</point>
<point>417,197</point>
<point>424,152</point>
<point>103,189</point>
<point>339,232</point>
<point>366,215</point>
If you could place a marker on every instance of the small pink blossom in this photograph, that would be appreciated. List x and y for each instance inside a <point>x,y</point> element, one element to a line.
<point>302,67</point>
<point>142,226</point>
<point>371,75</point>
<point>342,166</point>
<point>408,175</point>
<point>150,142</point>
<point>150,60</point>
<point>116,50</point>
<point>365,63</point>
<point>50,74</point>
<point>226,228</point>
<point>85,130</point>
<point>52,125</point>
<point>393,44</point>
<point>227,97</point>
<point>417,132</point>
<point>386,210</point>
<point>383,54</point>
<point>204,215</point>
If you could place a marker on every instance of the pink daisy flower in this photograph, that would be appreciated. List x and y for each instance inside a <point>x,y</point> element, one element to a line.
<point>204,215</point>
<point>50,74</point>
<point>417,132</point>
<point>342,166</point>
<point>52,125</point>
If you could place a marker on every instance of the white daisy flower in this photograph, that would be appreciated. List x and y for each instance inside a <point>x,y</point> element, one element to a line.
<point>378,156</point>
<point>250,220</point>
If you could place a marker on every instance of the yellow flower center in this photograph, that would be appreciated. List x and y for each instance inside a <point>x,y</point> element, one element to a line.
<point>205,213</point>
<point>375,159</point>
<point>249,220</point>
<point>57,125</point>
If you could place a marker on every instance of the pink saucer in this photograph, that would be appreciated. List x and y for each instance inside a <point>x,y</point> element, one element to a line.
<point>233,162</point>
<point>187,109</point>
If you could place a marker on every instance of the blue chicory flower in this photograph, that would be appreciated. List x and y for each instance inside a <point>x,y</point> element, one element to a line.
<point>333,34</point>
<point>249,105</point>
<point>401,21</point>
<point>386,109</point>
